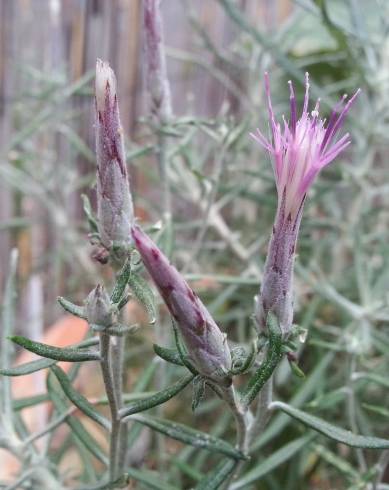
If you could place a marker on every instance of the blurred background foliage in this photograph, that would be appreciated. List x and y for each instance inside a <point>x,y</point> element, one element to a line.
<point>223,202</point>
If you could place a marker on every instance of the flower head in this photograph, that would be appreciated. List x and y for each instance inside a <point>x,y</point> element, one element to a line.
<point>302,147</point>
<point>207,345</point>
<point>299,149</point>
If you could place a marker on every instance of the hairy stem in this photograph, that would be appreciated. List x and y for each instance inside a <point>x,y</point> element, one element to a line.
<point>243,422</point>
<point>117,350</point>
<point>109,370</point>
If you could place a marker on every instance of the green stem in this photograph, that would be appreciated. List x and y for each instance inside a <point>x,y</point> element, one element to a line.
<point>243,422</point>
<point>110,388</point>
<point>117,371</point>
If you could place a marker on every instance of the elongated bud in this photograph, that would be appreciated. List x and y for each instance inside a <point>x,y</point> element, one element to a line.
<point>98,307</point>
<point>277,285</point>
<point>206,344</point>
<point>114,202</point>
<point>156,77</point>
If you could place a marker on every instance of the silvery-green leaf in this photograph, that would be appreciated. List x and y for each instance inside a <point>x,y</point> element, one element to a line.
<point>189,436</point>
<point>69,354</point>
<point>198,391</point>
<point>78,430</point>
<point>28,367</point>
<point>72,308</point>
<point>121,282</point>
<point>156,399</point>
<point>79,400</point>
<point>332,431</point>
<point>143,293</point>
<point>169,355</point>
<point>89,214</point>
<point>217,476</point>
<point>273,357</point>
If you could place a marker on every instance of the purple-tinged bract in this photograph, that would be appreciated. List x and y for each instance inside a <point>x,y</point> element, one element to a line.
<point>206,344</point>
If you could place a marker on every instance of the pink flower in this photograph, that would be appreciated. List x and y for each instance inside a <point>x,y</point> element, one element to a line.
<point>299,150</point>
<point>302,147</point>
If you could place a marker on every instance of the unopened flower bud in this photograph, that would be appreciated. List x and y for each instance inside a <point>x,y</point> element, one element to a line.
<point>206,344</point>
<point>114,201</point>
<point>98,307</point>
<point>156,77</point>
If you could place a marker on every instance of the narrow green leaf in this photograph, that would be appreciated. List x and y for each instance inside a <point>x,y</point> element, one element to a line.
<point>140,386</point>
<point>79,400</point>
<point>138,152</point>
<point>296,370</point>
<point>189,436</point>
<point>166,238</point>
<point>273,461</point>
<point>29,401</point>
<point>72,308</point>
<point>149,478</point>
<point>121,482</point>
<point>243,363</point>
<point>169,355</point>
<point>121,282</point>
<point>146,377</point>
<point>78,430</point>
<point>235,134</point>
<point>376,378</point>
<point>281,420</point>
<point>333,459</point>
<point>376,409</point>
<point>182,352</point>
<point>86,343</point>
<point>216,477</point>
<point>187,469</point>
<point>198,391</point>
<point>328,400</point>
<point>69,354</point>
<point>332,431</point>
<point>273,357</point>
<point>28,367</point>
<point>143,293</point>
<point>156,399</point>
<point>89,214</point>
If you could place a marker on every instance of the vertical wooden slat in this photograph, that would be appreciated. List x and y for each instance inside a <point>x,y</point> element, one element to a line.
<point>6,82</point>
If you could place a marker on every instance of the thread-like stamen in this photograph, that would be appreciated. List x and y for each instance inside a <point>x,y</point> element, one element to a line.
<point>270,107</point>
<point>258,136</point>
<point>343,114</point>
<point>306,96</point>
<point>333,118</point>
<point>300,148</point>
<point>293,108</point>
